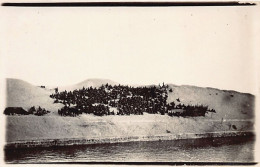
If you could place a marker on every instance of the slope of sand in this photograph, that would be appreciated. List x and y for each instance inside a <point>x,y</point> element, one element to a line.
<point>237,110</point>
<point>228,104</point>
<point>88,83</point>
<point>89,126</point>
<point>26,95</point>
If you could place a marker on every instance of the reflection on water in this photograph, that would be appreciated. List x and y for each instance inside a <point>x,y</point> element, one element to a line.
<point>232,149</point>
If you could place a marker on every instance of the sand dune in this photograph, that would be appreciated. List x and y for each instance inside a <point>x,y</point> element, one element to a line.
<point>88,83</point>
<point>232,108</point>
<point>228,104</point>
<point>26,95</point>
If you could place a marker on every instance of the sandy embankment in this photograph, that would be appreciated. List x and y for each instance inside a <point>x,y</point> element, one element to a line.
<point>29,128</point>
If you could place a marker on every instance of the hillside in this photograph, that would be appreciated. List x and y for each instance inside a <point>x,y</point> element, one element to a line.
<point>236,109</point>
<point>228,104</point>
<point>26,95</point>
<point>88,83</point>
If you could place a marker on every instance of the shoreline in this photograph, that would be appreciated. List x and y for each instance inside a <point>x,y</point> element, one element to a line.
<point>107,139</point>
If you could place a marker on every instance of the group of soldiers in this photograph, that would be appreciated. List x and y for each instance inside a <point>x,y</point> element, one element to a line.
<point>126,100</point>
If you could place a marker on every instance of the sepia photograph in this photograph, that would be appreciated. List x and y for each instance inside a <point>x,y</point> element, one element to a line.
<point>129,83</point>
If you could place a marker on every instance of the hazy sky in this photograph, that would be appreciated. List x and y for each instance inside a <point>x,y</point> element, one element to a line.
<point>203,46</point>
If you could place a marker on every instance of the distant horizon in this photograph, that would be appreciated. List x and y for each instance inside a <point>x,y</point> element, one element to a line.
<point>117,83</point>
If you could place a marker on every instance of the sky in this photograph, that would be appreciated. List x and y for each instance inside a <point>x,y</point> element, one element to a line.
<point>201,46</point>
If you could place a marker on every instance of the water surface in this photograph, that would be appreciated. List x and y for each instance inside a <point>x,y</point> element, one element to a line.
<point>229,149</point>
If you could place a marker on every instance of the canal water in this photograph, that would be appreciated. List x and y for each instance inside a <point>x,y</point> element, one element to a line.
<point>228,149</point>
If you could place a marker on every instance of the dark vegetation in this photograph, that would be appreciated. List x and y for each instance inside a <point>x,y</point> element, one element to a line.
<point>123,100</point>
<point>20,111</point>
<point>15,110</point>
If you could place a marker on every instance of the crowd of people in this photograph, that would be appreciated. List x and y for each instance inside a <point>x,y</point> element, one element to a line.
<point>126,100</point>
<point>38,111</point>
<point>189,110</point>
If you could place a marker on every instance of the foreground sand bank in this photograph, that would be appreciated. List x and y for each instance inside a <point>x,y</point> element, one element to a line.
<point>52,130</point>
<point>102,140</point>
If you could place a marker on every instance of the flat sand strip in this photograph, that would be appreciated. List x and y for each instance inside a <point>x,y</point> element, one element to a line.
<point>107,139</point>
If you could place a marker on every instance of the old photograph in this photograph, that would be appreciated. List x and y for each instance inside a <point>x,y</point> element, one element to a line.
<point>129,84</point>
